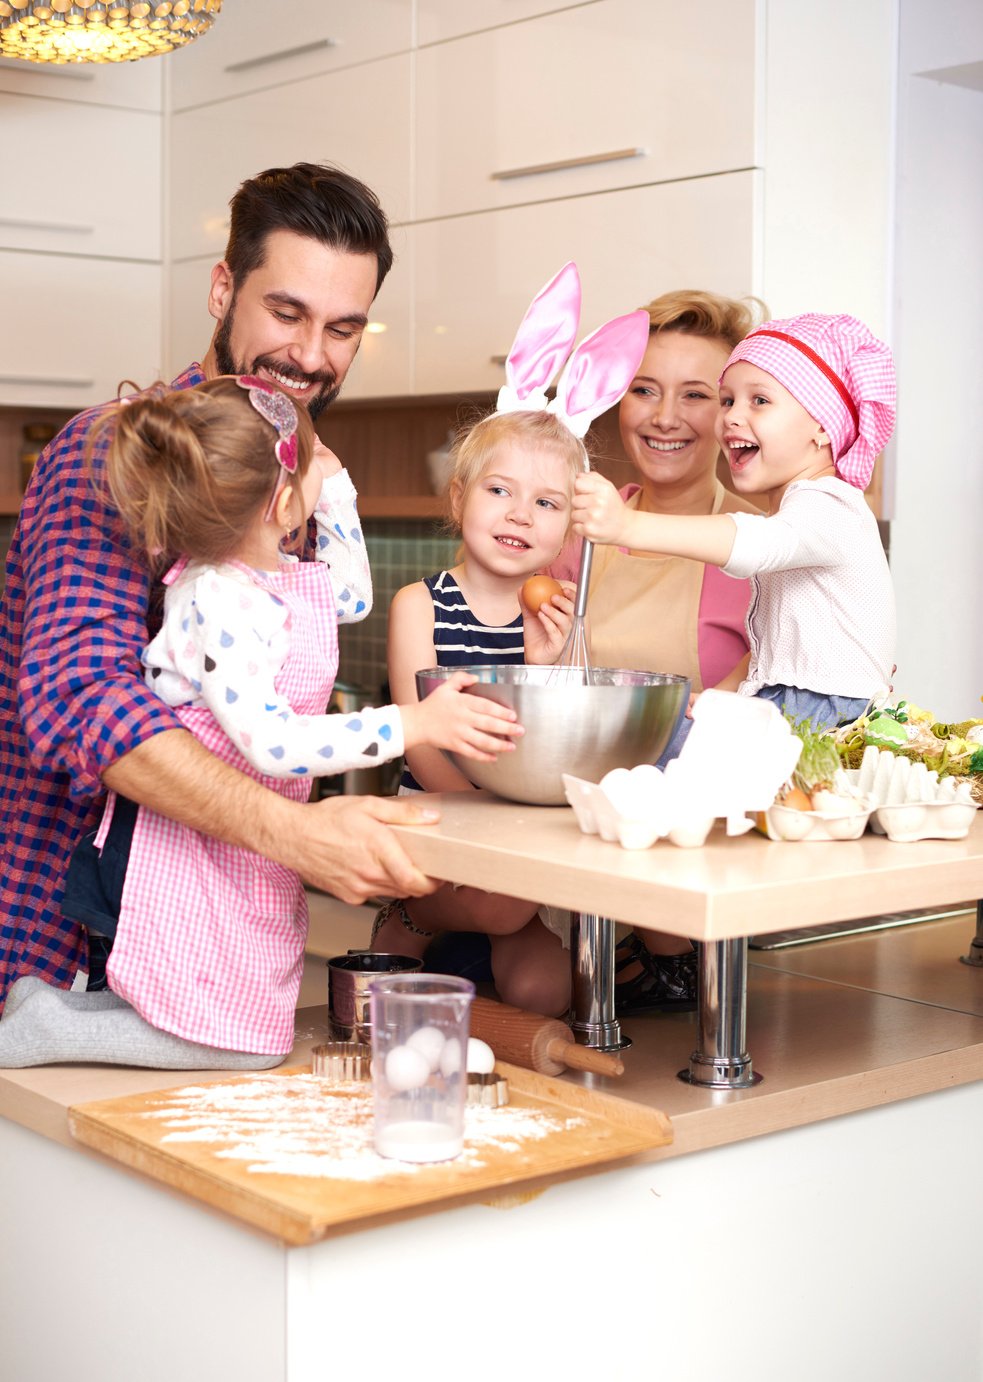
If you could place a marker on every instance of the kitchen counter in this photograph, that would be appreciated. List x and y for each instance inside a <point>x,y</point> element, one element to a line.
<point>841,1188</point>
<point>729,888</point>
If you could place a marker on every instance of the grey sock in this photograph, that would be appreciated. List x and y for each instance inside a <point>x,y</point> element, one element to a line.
<point>50,1026</point>
<point>77,998</point>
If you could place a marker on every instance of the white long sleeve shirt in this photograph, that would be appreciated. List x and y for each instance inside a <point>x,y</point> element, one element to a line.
<point>821,615</point>
<point>225,612</point>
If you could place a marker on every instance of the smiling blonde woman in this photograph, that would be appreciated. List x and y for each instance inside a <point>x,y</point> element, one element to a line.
<point>671,614</point>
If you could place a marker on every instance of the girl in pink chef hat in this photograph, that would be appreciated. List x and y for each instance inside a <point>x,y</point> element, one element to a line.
<point>806,406</point>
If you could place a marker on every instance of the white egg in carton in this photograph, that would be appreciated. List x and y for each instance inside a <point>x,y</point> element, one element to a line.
<point>847,822</point>
<point>738,753</point>
<point>909,800</point>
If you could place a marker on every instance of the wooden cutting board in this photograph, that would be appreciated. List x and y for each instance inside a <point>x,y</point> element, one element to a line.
<point>292,1153</point>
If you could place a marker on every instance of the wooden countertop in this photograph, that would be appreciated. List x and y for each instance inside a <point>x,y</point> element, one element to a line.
<point>835,1026</point>
<point>730,887</point>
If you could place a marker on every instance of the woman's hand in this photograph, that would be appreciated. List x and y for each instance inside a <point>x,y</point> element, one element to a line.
<point>599,512</point>
<point>469,725</point>
<point>545,632</point>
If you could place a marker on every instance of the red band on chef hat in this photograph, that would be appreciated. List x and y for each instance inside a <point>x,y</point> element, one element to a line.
<point>841,374</point>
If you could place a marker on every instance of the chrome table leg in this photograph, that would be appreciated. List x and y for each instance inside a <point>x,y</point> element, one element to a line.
<point>721,1061</point>
<point>592,956</point>
<point>975,955</point>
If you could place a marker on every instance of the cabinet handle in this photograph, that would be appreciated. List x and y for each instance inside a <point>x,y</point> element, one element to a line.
<point>46,379</point>
<point>533,168</point>
<point>62,227</point>
<point>282,55</point>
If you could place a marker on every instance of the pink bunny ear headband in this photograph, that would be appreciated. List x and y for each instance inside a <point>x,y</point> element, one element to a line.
<point>276,409</point>
<point>596,374</point>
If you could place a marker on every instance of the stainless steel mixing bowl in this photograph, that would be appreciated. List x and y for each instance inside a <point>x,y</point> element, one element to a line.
<point>623,719</point>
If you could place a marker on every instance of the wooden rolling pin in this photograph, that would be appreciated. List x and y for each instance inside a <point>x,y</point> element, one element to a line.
<point>544,1044</point>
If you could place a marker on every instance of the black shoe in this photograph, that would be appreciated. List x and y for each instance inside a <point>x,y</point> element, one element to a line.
<point>667,983</point>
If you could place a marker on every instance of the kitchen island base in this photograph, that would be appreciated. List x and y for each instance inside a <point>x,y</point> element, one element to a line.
<point>845,1249</point>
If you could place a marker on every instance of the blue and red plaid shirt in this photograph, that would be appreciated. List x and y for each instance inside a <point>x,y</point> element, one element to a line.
<point>73,622</point>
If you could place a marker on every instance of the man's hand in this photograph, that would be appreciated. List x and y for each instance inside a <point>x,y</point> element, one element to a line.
<point>343,844</point>
<point>345,847</point>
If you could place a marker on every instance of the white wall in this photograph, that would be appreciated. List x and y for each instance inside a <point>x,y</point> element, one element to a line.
<point>829,76</point>
<point>937,500</point>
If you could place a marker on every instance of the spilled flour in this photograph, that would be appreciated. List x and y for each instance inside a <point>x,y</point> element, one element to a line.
<point>299,1125</point>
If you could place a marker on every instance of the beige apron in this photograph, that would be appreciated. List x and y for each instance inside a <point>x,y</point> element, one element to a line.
<point>643,611</point>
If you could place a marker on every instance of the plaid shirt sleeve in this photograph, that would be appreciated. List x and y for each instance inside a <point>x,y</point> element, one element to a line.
<point>73,621</point>
<point>81,696</point>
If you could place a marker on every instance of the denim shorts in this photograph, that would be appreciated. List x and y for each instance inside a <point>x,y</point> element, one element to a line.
<point>824,712</point>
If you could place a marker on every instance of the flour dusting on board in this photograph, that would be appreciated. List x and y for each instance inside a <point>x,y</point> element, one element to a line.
<point>299,1125</point>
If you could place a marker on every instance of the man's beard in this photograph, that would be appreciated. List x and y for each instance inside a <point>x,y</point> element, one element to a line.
<point>227,365</point>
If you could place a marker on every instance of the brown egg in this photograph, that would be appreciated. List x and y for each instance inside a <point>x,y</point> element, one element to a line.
<point>538,590</point>
<point>796,799</point>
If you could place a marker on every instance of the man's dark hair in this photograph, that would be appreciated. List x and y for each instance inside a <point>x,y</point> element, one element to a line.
<point>311,199</point>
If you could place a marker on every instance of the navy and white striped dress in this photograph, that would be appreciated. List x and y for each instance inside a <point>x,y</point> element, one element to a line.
<point>461,640</point>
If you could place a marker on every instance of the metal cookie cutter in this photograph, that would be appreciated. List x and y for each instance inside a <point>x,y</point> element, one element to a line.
<point>342,1060</point>
<point>490,1091</point>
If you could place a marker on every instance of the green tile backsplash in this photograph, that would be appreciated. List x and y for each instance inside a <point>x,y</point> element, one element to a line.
<point>398,554</point>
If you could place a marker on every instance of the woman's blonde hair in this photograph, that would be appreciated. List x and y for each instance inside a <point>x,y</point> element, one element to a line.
<point>476,446</point>
<point>695,313</point>
<point>189,469</point>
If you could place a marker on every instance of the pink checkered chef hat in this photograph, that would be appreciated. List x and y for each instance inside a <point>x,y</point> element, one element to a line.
<point>841,374</point>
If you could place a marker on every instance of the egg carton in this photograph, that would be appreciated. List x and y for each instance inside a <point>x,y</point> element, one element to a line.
<point>597,814</point>
<point>786,823</point>
<point>909,800</point>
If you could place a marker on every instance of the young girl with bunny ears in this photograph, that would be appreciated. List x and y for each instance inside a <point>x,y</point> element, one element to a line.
<point>208,938</point>
<point>806,405</point>
<point>510,497</point>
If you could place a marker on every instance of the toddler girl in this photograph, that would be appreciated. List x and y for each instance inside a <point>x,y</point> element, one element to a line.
<point>510,498</point>
<point>806,406</point>
<point>208,938</point>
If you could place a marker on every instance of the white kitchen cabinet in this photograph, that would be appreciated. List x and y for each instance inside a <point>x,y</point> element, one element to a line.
<point>100,189</point>
<point>255,44</point>
<point>475,275</point>
<point>358,118</point>
<point>620,93</point>
<point>383,366</point>
<point>128,85</point>
<point>75,328</point>
<point>438,20</point>
<point>189,325</point>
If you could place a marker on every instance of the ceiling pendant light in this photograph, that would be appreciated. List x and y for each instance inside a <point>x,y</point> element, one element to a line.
<point>100,30</point>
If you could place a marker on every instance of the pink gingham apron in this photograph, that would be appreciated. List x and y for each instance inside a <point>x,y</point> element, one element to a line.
<point>211,937</point>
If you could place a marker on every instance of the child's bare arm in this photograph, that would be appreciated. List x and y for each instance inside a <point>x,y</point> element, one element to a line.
<point>410,649</point>
<point>599,513</point>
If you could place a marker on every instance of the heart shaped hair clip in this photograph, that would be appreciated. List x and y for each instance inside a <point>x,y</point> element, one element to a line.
<point>276,409</point>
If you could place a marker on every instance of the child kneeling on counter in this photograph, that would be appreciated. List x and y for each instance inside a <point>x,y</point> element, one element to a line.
<point>510,496</point>
<point>806,406</point>
<point>207,939</point>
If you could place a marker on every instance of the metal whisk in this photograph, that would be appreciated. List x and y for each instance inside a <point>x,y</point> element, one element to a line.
<point>573,666</point>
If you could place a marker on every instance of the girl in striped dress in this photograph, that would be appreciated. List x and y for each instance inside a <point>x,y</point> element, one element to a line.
<point>510,499</point>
